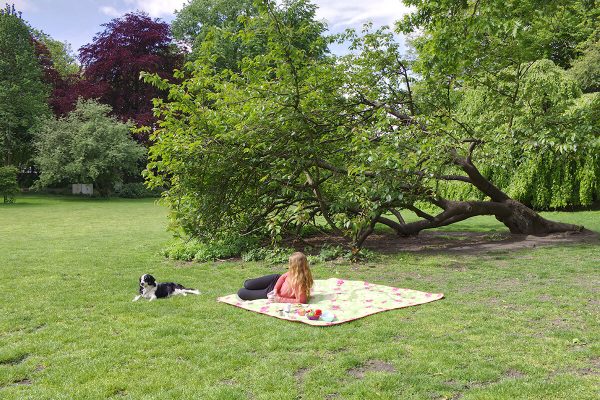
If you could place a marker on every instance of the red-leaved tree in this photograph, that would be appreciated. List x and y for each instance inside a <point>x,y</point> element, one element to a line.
<point>113,61</point>
<point>63,90</point>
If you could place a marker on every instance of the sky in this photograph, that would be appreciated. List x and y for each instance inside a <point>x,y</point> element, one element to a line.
<point>77,21</point>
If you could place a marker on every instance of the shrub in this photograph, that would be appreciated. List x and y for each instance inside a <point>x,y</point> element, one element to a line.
<point>8,183</point>
<point>329,252</point>
<point>271,255</point>
<point>250,250</point>
<point>194,250</point>
<point>135,190</point>
<point>87,146</point>
<point>362,256</point>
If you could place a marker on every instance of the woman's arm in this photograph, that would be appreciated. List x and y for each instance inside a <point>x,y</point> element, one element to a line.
<point>298,299</point>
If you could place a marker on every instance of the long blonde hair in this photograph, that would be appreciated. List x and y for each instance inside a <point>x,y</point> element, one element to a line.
<point>299,276</point>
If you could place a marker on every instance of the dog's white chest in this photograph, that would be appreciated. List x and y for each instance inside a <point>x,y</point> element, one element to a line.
<point>149,292</point>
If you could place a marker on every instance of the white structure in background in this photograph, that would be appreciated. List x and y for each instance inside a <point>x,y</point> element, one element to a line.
<point>83,188</point>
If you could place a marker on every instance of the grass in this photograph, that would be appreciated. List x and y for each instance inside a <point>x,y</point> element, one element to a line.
<point>518,325</point>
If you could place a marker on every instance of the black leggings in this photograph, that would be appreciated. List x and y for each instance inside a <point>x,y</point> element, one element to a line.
<point>258,288</point>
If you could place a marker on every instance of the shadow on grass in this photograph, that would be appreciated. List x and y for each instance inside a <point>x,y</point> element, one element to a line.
<point>29,200</point>
<point>464,242</point>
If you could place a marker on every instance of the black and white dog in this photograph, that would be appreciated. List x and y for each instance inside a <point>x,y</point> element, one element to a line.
<point>151,290</point>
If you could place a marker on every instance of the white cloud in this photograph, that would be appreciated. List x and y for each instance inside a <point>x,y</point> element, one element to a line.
<point>157,8</point>
<point>154,8</point>
<point>341,14</point>
<point>111,11</point>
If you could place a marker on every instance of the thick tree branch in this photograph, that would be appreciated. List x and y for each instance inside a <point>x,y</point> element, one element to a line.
<point>322,203</point>
<point>419,212</point>
<point>366,232</point>
<point>397,215</point>
<point>456,211</point>
<point>401,116</point>
<point>461,178</point>
<point>478,180</point>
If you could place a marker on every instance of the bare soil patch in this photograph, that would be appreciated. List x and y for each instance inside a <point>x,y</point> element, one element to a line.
<point>299,374</point>
<point>459,242</point>
<point>371,366</point>
<point>25,381</point>
<point>514,374</point>
<point>14,360</point>
<point>593,369</point>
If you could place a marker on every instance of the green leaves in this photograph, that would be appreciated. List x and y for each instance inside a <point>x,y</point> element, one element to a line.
<point>288,136</point>
<point>87,146</point>
<point>22,94</point>
<point>495,71</point>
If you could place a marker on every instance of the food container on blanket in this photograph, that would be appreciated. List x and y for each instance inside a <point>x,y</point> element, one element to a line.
<point>313,315</point>
<point>327,316</point>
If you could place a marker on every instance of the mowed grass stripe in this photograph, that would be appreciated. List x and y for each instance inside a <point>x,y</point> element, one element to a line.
<point>513,325</point>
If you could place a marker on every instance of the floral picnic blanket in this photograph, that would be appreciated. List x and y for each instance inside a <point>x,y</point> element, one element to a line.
<point>347,300</point>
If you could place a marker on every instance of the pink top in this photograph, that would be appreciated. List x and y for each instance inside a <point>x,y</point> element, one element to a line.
<point>284,293</point>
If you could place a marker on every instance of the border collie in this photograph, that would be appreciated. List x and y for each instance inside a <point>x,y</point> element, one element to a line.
<point>151,290</point>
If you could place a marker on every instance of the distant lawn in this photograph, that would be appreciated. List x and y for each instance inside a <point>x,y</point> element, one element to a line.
<point>513,325</point>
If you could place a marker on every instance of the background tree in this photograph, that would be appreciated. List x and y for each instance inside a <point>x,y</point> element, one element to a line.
<point>64,60</point>
<point>198,18</point>
<point>213,26</point>
<point>87,146</point>
<point>23,95</point>
<point>59,86</point>
<point>60,72</point>
<point>293,134</point>
<point>586,68</point>
<point>8,183</point>
<point>113,61</point>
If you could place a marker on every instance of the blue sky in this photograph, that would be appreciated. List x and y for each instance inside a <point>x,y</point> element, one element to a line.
<point>77,21</point>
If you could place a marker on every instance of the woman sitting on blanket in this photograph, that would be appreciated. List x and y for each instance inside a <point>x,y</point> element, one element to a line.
<point>292,287</point>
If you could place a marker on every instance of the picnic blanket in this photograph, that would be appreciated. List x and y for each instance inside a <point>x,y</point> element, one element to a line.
<point>347,300</point>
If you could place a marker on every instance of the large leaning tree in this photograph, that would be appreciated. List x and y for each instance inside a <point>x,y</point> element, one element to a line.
<point>296,137</point>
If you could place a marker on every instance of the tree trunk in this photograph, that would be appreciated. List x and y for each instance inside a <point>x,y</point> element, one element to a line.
<point>519,218</point>
<point>524,220</point>
<point>516,216</point>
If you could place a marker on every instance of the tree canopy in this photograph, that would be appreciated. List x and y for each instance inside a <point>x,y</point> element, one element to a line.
<point>220,18</point>
<point>293,134</point>
<point>495,72</point>
<point>62,55</point>
<point>113,61</point>
<point>23,95</point>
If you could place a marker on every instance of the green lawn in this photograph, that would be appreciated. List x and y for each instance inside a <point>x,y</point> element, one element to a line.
<point>518,325</point>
